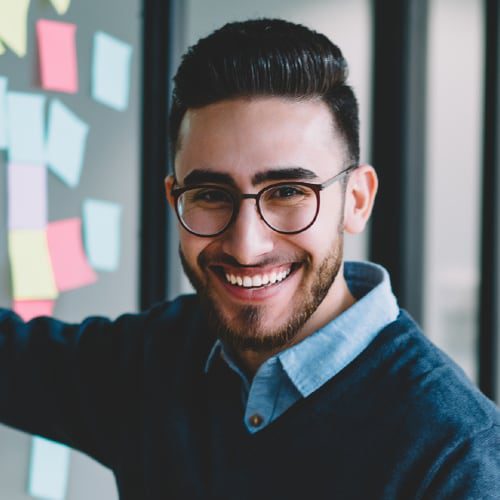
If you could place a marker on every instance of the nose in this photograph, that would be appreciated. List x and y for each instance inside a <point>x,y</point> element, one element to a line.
<point>249,238</point>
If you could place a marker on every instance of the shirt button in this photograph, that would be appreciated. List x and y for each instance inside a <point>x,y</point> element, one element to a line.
<point>255,420</point>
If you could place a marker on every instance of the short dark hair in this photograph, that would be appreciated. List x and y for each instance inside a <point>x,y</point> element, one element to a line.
<point>266,57</point>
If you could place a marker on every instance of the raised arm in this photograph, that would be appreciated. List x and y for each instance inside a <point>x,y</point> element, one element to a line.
<point>76,384</point>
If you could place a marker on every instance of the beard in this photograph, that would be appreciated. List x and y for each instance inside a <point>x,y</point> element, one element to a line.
<point>246,331</point>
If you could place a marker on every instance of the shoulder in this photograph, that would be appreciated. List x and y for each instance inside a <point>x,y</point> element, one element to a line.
<point>430,388</point>
<point>178,310</point>
<point>178,326</point>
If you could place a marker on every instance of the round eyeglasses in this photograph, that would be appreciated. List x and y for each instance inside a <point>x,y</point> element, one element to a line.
<point>207,210</point>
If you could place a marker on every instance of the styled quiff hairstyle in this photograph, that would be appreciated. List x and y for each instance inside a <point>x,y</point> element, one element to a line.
<point>266,57</point>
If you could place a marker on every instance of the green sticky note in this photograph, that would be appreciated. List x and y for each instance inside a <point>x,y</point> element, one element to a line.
<point>13,25</point>
<point>61,6</point>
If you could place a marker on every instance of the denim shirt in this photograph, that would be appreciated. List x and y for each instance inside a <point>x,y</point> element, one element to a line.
<point>298,371</point>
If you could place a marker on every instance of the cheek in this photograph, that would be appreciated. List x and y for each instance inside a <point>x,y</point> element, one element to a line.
<point>191,246</point>
<point>320,238</point>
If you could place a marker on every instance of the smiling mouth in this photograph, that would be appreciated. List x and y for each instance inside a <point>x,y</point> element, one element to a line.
<point>254,279</point>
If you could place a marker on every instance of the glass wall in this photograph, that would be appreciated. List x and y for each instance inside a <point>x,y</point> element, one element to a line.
<point>453,157</point>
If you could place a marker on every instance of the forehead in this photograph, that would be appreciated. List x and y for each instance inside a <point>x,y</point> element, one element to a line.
<point>242,137</point>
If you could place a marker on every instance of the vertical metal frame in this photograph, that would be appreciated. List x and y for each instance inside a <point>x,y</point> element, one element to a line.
<point>156,89</point>
<point>489,316</point>
<point>398,145</point>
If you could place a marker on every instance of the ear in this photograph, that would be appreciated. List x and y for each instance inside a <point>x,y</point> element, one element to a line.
<point>360,195</point>
<point>169,183</point>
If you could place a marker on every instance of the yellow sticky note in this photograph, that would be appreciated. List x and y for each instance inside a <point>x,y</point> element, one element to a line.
<point>13,25</point>
<point>61,6</point>
<point>31,267</point>
<point>2,48</point>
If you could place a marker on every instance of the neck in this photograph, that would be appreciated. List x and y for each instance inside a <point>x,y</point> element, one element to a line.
<point>335,303</point>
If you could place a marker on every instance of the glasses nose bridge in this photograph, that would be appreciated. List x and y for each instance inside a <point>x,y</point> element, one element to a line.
<point>247,196</point>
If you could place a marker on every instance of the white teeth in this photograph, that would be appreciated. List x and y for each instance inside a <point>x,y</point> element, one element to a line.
<point>257,280</point>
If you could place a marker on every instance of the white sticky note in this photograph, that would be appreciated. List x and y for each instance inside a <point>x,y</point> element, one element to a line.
<point>27,196</point>
<point>3,112</point>
<point>111,71</point>
<point>49,467</point>
<point>25,127</point>
<point>66,141</point>
<point>101,229</point>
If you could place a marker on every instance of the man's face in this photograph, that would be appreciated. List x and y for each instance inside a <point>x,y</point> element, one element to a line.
<point>252,142</point>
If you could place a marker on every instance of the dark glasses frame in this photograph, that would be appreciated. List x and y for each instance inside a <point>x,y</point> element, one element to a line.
<point>237,197</point>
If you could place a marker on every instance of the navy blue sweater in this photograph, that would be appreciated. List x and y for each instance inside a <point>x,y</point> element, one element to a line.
<point>399,422</point>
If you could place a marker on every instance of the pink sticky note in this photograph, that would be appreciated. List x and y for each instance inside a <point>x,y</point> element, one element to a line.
<point>71,268</point>
<point>57,56</point>
<point>29,309</point>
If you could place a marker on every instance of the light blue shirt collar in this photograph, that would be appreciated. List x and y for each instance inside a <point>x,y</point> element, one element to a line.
<point>331,348</point>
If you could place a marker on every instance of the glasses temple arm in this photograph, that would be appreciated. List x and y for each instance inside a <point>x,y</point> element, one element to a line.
<point>339,175</point>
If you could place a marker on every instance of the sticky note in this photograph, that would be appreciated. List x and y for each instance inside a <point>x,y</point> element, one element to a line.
<point>49,467</point>
<point>29,309</point>
<point>111,71</point>
<point>101,230</point>
<point>13,25</point>
<point>66,141</point>
<point>70,264</point>
<point>31,268</point>
<point>3,112</point>
<point>61,6</point>
<point>25,127</point>
<point>57,56</point>
<point>27,196</point>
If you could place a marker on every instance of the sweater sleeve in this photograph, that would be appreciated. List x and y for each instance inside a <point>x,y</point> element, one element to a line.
<point>471,471</point>
<point>73,383</point>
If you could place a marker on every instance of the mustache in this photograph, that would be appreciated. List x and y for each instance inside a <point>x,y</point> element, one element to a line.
<point>206,259</point>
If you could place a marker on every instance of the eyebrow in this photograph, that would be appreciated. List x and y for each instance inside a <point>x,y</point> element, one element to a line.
<point>282,174</point>
<point>202,176</point>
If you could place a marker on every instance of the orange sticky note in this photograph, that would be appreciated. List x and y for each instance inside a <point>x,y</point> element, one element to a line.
<point>71,268</point>
<point>29,309</point>
<point>57,56</point>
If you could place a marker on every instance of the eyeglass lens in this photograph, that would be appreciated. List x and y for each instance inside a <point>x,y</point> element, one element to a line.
<point>286,208</point>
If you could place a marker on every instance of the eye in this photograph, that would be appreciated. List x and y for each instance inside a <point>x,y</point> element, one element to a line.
<point>283,192</point>
<point>209,196</point>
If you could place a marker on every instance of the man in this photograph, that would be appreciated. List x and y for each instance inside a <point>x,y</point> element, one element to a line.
<point>289,374</point>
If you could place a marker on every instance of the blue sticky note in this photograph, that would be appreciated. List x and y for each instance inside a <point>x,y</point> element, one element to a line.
<point>3,112</point>
<point>66,141</point>
<point>25,127</point>
<point>101,231</point>
<point>49,467</point>
<point>111,71</point>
